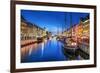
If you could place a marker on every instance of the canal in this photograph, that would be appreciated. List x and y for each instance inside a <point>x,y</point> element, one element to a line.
<point>49,50</point>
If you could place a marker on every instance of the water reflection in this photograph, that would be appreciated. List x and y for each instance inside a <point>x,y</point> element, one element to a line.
<point>42,48</point>
<point>49,50</point>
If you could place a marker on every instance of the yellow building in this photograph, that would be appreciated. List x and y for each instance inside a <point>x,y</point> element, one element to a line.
<point>31,31</point>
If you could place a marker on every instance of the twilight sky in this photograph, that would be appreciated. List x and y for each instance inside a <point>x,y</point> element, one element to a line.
<point>52,21</point>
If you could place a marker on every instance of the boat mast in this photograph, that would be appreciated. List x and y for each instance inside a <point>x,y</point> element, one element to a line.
<point>71,23</point>
<point>65,21</point>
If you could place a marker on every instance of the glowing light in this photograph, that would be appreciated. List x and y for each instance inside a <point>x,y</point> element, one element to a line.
<point>74,44</point>
<point>42,49</point>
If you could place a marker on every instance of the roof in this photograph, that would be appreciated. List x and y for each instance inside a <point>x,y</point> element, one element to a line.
<point>29,23</point>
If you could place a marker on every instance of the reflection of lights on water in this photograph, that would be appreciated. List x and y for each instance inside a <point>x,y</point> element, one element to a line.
<point>42,49</point>
<point>30,51</point>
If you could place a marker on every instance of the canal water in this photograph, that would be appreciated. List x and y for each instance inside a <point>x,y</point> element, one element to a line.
<point>49,50</point>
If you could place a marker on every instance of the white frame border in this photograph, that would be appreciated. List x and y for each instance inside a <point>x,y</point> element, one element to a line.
<point>52,64</point>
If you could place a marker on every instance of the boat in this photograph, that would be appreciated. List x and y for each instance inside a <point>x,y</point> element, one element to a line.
<point>39,39</point>
<point>70,49</point>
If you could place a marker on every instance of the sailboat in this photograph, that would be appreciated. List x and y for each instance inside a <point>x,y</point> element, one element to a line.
<point>70,47</point>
